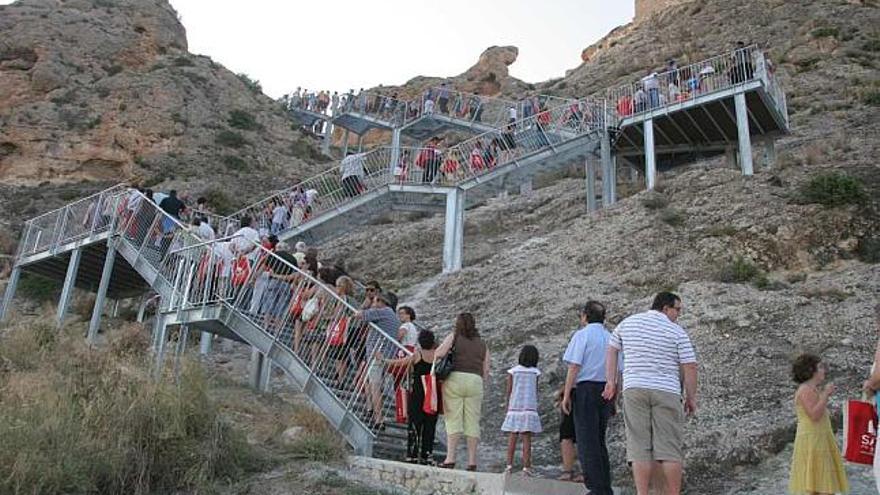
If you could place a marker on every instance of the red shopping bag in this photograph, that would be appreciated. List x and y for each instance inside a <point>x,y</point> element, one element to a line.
<point>241,270</point>
<point>400,400</point>
<point>336,334</point>
<point>431,387</point>
<point>859,432</point>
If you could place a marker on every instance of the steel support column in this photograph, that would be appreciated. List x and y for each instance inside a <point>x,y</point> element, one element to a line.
<point>769,153</point>
<point>345,143</point>
<point>650,157</point>
<point>11,287</point>
<point>328,135</point>
<point>160,341</point>
<point>745,140</point>
<point>260,370</point>
<point>609,172</point>
<point>67,289</point>
<point>453,238</point>
<point>101,297</point>
<point>360,143</point>
<point>590,178</point>
<point>205,343</point>
<point>395,149</point>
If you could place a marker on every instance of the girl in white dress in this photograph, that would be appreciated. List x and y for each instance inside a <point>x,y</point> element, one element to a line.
<point>522,418</point>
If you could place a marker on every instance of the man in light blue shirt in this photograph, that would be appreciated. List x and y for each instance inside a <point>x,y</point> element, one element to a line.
<point>585,357</point>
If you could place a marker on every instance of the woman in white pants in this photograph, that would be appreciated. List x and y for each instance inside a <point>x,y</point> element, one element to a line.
<point>872,387</point>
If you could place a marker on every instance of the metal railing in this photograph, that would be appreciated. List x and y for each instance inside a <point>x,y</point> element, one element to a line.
<point>484,153</point>
<point>297,204</point>
<point>686,83</point>
<point>81,219</point>
<point>319,324</point>
<point>461,105</point>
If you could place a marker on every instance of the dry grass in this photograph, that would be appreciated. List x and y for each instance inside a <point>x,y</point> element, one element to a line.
<point>80,420</point>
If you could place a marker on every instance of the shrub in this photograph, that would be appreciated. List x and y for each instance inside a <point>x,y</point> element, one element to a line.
<point>81,420</point>
<point>251,84</point>
<point>38,288</point>
<point>825,32</point>
<point>113,70</point>
<point>222,202</point>
<point>304,149</point>
<point>869,249</point>
<point>233,162</point>
<point>231,139</point>
<point>740,271</point>
<point>183,62</point>
<point>872,45</point>
<point>721,231</point>
<point>871,98</point>
<point>240,119</point>
<point>833,189</point>
<point>655,201</point>
<point>672,216</point>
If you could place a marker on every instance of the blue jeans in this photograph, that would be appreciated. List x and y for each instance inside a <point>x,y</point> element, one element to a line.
<point>591,413</point>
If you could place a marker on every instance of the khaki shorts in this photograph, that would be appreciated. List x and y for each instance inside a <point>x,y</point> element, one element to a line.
<point>654,422</point>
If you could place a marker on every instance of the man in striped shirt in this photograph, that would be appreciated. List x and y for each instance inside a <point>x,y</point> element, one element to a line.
<point>659,358</point>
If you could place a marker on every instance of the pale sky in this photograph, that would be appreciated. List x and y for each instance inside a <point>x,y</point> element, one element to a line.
<point>349,44</point>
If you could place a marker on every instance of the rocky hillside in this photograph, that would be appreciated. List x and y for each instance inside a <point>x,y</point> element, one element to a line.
<point>97,92</point>
<point>765,270</point>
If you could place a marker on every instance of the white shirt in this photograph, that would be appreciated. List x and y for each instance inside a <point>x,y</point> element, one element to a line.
<point>205,232</point>
<point>411,337</point>
<point>311,194</point>
<point>158,197</point>
<point>353,165</point>
<point>223,258</point>
<point>279,214</point>
<point>244,240</point>
<point>651,82</point>
<point>134,200</point>
<point>429,106</point>
<point>511,114</point>
<point>655,348</point>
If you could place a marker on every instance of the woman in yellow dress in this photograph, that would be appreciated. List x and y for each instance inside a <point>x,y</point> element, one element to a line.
<point>816,466</point>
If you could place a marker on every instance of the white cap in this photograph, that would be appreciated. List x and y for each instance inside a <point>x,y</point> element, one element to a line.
<point>301,246</point>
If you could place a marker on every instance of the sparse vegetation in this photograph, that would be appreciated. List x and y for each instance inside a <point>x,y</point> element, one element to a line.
<point>38,288</point>
<point>721,231</point>
<point>221,201</point>
<point>233,162</point>
<point>869,249</point>
<point>302,148</point>
<point>76,419</point>
<point>231,139</point>
<point>243,120</point>
<point>741,271</point>
<point>833,189</point>
<point>655,201</point>
<point>183,62</point>
<point>825,32</point>
<point>871,98</point>
<point>252,84</point>
<point>672,217</point>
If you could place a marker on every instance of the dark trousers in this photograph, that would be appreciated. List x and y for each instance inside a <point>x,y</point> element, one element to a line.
<point>591,413</point>
<point>420,436</point>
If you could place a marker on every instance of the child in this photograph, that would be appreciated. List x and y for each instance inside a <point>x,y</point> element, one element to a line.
<point>816,467</point>
<point>522,407</point>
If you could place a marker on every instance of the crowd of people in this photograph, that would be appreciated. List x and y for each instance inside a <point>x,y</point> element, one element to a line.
<point>675,84</point>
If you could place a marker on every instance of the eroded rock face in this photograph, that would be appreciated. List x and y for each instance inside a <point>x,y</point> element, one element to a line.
<point>490,72</point>
<point>101,90</point>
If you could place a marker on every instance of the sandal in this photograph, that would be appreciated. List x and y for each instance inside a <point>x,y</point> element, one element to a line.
<point>472,467</point>
<point>508,469</point>
<point>446,465</point>
<point>527,472</point>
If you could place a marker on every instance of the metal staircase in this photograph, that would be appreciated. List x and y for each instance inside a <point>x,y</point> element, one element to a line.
<point>119,244</point>
<point>538,144</point>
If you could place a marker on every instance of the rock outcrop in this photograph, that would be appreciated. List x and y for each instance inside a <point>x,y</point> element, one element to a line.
<point>98,90</point>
